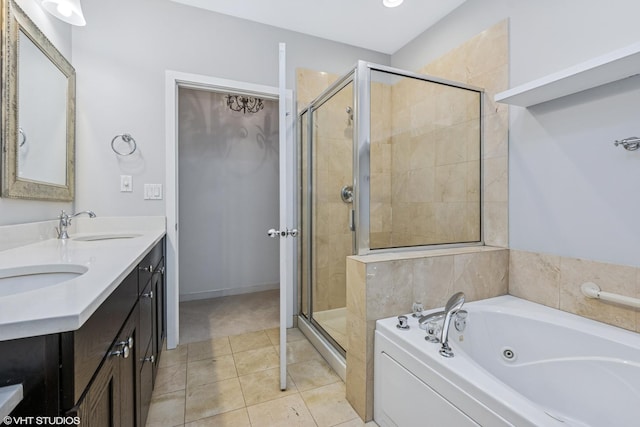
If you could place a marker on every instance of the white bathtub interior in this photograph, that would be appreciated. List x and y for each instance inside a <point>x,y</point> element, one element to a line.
<point>517,363</point>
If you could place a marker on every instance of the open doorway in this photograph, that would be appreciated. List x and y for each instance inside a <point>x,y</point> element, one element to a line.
<point>228,196</point>
<point>175,81</point>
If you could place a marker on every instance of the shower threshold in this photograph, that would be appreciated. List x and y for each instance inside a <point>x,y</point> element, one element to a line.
<point>328,352</point>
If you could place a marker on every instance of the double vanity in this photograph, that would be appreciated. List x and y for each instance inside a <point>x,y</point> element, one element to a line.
<point>82,320</point>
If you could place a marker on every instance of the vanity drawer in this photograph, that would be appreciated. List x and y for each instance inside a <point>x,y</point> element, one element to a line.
<point>83,350</point>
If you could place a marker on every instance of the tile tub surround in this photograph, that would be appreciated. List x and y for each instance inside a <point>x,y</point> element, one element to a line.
<point>555,281</point>
<point>66,306</point>
<point>384,285</point>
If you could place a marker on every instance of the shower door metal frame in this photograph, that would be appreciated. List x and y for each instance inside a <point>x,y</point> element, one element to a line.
<point>362,155</point>
<point>314,105</point>
<point>360,76</point>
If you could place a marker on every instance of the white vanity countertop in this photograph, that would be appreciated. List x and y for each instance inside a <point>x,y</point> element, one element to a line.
<point>66,306</point>
<point>10,396</point>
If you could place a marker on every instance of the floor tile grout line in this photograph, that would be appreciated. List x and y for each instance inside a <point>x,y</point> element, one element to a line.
<point>238,376</point>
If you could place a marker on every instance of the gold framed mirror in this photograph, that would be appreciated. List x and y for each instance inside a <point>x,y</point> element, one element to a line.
<point>38,113</point>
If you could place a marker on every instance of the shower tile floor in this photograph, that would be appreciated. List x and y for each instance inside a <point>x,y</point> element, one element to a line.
<point>334,321</point>
<point>225,373</point>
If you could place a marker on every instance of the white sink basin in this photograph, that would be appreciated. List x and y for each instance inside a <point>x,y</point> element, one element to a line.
<point>24,279</point>
<point>106,236</point>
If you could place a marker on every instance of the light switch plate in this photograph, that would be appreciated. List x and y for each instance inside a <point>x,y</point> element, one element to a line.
<point>153,191</point>
<point>126,183</point>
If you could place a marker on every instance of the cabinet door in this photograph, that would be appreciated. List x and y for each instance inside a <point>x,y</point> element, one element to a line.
<point>100,405</point>
<point>127,370</point>
<point>159,329</point>
<point>146,384</point>
<point>147,298</point>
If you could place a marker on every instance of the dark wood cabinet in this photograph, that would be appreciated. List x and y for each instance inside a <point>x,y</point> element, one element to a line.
<point>127,367</point>
<point>32,362</point>
<point>158,315</point>
<point>100,403</point>
<point>103,372</point>
<point>152,325</point>
<point>83,350</point>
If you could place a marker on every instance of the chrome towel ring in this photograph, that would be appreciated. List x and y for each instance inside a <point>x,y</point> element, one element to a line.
<point>126,138</point>
<point>23,137</point>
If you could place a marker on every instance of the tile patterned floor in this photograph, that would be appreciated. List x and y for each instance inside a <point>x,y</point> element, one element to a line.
<point>201,320</point>
<point>234,381</point>
<point>226,371</point>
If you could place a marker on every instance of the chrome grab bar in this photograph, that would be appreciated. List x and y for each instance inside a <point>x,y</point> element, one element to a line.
<point>591,290</point>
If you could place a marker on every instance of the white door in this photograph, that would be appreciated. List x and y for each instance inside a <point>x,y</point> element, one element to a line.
<point>286,232</point>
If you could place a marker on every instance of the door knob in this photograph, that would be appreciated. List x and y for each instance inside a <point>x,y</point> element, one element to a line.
<point>276,233</point>
<point>284,233</point>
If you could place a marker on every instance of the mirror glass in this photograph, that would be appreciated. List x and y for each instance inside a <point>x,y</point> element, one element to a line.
<point>39,99</point>
<point>42,133</point>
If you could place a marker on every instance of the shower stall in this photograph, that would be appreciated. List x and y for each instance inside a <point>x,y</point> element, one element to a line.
<point>389,160</point>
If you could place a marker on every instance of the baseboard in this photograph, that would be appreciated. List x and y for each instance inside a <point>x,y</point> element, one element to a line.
<point>227,292</point>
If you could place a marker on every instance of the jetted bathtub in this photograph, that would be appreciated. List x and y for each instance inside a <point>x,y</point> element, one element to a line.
<point>516,363</point>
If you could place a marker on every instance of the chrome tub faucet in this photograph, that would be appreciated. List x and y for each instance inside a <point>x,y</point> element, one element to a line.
<point>452,307</point>
<point>65,221</point>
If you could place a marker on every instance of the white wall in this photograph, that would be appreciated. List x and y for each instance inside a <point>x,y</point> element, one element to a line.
<point>572,192</point>
<point>228,165</point>
<point>14,211</point>
<point>121,57</point>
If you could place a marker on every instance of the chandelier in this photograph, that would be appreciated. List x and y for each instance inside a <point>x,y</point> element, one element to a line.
<point>246,104</point>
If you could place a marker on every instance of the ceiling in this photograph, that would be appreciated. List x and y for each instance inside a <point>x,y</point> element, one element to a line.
<point>363,23</point>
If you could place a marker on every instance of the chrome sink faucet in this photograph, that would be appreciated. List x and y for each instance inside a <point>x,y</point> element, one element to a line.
<point>65,221</point>
<point>453,305</point>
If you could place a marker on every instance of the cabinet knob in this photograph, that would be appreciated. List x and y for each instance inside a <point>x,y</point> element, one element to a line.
<point>151,359</point>
<point>148,269</point>
<point>128,343</point>
<point>124,352</point>
<point>148,295</point>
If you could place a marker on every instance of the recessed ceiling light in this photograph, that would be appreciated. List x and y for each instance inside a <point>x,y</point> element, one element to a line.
<point>392,3</point>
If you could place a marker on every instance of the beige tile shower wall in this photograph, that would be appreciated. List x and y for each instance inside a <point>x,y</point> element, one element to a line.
<point>310,84</point>
<point>380,216</point>
<point>555,281</point>
<point>435,171</point>
<point>385,285</point>
<point>483,61</point>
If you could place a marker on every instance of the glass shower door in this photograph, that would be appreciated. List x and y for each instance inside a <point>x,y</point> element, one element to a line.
<point>331,235</point>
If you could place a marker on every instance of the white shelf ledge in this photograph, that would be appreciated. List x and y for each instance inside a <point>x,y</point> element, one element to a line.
<point>613,66</point>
